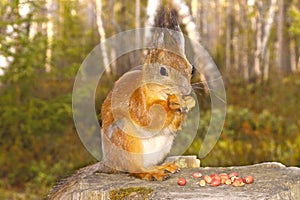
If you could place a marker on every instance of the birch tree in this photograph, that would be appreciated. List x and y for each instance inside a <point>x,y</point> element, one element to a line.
<point>49,26</point>
<point>102,35</point>
<point>195,5</point>
<point>267,31</point>
<point>138,20</point>
<point>151,11</point>
<point>187,20</point>
<point>262,37</point>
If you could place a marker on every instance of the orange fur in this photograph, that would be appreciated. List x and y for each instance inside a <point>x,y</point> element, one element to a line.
<point>117,142</point>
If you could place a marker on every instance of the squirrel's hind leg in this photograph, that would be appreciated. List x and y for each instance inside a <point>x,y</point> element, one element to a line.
<point>157,173</point>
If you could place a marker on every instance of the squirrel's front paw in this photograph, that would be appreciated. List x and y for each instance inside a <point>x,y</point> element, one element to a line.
<point>174,103</point>
<point>185,104</point>
<point>189,102</point>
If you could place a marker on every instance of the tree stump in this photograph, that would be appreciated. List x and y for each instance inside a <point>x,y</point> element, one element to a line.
<point>271,181</point>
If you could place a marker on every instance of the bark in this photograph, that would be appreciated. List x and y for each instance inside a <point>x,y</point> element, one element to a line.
<point>152,8</point>
<point>284,60</point>
<point>102,35</point>
<point>293,56</point>
<point>115,28</point>
<point>257,54</point>
<point>228,36</point>
<point>266,66</point>
<point>49,35</point>
<point>112,16</point>
<point>195,5</point>
<point>236,39</point>
<point>137,20</point>
<point>245,48</point>
<point>268,25</point>
<point>217,18</point>
<point>33,30</point>
<point>186,18</point>
<point>262,37</point>
<point>201,21</point>
<point>204,20</point>
<point>267,30</point>
<point>190,26</point>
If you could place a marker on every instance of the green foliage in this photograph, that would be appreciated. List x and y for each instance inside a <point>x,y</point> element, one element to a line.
<point>294,14</point>
<point>38,142</point>
<point>258,127</point>
<point>36,108</point>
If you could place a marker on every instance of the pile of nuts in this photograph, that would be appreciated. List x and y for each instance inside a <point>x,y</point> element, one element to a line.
<point>218,179</point>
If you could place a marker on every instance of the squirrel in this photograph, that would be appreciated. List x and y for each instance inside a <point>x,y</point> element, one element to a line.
<point>144,110</point>
<point>138,134</point>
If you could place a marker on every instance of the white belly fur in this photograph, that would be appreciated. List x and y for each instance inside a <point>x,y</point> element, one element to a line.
<point>156,148</point>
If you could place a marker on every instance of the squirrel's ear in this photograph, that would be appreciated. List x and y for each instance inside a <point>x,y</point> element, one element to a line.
<point>171,37</point>
<point>160,39</point>
<point>179,40</point>
<point>177,33</point>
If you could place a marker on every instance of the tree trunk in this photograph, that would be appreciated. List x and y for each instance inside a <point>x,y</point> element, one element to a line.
<point>293,56</point>
<point>187,19</point>
<point>267,30</point>
<point>195,11</point>
<point>102,35</point>
<point>236,38</point>
<point>245,48</point>
<point>33,29</point>
<point>49,35</point>
<point>268,25</point>
<point>152,7</point>
<point>112,16</point>
<point>217,18</point>
<point>204,21</point>
<point>228,36</point>
<point>138,20</point>
<point>266,66</point>
<point>257,54</point>
<point>284,59</point>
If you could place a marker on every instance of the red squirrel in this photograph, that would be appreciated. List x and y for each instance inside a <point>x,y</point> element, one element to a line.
<point>138,134</point>
<point>143,111</point>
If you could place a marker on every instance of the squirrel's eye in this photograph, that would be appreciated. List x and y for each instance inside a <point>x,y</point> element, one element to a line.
<point>163,71</point>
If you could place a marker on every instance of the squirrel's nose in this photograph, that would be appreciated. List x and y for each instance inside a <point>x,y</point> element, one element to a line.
<point>184,109</point>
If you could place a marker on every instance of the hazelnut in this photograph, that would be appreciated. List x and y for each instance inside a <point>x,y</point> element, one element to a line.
<point>249,179</point>
<point>215,182</point>
<point>202,183</point>
<point>181,181</point>
<point>197,175</point>
<point>207,179</point>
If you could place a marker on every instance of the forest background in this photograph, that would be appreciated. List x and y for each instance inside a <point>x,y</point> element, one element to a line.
<point>255,44</point>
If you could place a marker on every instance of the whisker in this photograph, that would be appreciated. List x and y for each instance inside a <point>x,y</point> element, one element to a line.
<point>199,93</point>
<point>202,88</point>
<point>212,80</point>
<point>211,91</point>
<point>223,100</point>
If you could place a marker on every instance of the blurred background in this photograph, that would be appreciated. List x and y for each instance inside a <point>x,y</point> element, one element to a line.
<point>255,44</point>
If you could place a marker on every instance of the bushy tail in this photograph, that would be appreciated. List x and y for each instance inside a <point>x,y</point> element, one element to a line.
<point>167,18</point>
<point>171,36</point>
